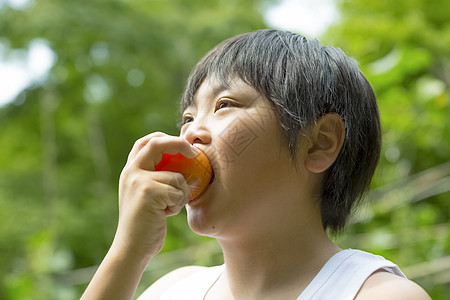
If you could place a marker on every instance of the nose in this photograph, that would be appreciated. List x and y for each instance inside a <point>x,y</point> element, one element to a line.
<point>196,132</point>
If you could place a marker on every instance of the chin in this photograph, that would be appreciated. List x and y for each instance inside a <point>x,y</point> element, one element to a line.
<point>200,223</point>
<point>215,226</point>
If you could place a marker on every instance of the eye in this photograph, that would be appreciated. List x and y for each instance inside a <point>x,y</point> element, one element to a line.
<point>187,119</point>
<point>224,103</point>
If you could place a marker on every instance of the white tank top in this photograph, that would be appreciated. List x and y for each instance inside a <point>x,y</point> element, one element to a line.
<point>339,279</point>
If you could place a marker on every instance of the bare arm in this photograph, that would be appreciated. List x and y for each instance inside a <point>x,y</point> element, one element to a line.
<point>146,199</point>
<point>385,285</point>
<point>116,278</point>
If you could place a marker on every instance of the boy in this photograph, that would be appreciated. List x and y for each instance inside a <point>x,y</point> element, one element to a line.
<point>293,134</point>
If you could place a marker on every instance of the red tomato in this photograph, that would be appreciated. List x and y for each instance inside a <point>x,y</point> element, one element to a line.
<point>197,171</point>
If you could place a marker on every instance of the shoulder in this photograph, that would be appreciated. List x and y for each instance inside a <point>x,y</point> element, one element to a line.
<point>385,285</point>
<point>164,283</point>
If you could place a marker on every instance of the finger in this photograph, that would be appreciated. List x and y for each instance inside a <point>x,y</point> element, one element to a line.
<point>173,196</point>
<point>173,210</point>
<point>140,143</point>
<point>169,199</point>
<point>177,181</point>
<point>168,185</point>
<point>175,200</point>
<point>151,154</point>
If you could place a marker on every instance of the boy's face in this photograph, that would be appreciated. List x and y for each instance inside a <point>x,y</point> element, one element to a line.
<point>254,174</point>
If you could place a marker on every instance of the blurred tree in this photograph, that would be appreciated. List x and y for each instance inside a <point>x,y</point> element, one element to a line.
<point>120,69</point>
<point>403,49</point>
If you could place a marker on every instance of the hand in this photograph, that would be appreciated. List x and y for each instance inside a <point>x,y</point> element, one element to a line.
<point>147,197</point>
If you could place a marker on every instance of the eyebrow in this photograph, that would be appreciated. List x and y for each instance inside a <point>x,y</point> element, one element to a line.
<point>217,89</point>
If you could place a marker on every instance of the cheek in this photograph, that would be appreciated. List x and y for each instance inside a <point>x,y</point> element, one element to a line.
<point>246,145</point>
<point>237,138</point>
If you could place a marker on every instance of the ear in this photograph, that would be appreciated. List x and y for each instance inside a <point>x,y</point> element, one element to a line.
<point>326,140</point>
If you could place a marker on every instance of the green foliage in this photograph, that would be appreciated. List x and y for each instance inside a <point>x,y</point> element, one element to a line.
<point>120,70</point>
<point>402,48</point>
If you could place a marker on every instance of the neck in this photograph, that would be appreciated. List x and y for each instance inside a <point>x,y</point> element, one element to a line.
<point>279,258</point>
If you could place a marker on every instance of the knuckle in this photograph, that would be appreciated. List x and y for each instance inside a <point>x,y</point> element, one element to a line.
<point>175,194</point>
<point>146,189</point>
<point>140,142</point>
<point>178,179</point>
<point>154,142</point>
<point>146,139</point>
<point>131,179</point>
<point>124,175</point>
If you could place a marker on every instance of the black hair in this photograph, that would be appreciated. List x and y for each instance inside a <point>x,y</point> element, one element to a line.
<point>304,80</point>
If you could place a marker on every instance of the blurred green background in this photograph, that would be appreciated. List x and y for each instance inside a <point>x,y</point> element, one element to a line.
<point>118,69</point>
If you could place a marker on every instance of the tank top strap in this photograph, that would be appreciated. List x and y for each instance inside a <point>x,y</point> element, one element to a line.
<point>344,273</point>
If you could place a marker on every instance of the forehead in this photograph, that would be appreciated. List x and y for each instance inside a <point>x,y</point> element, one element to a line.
<point>213,88</point>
